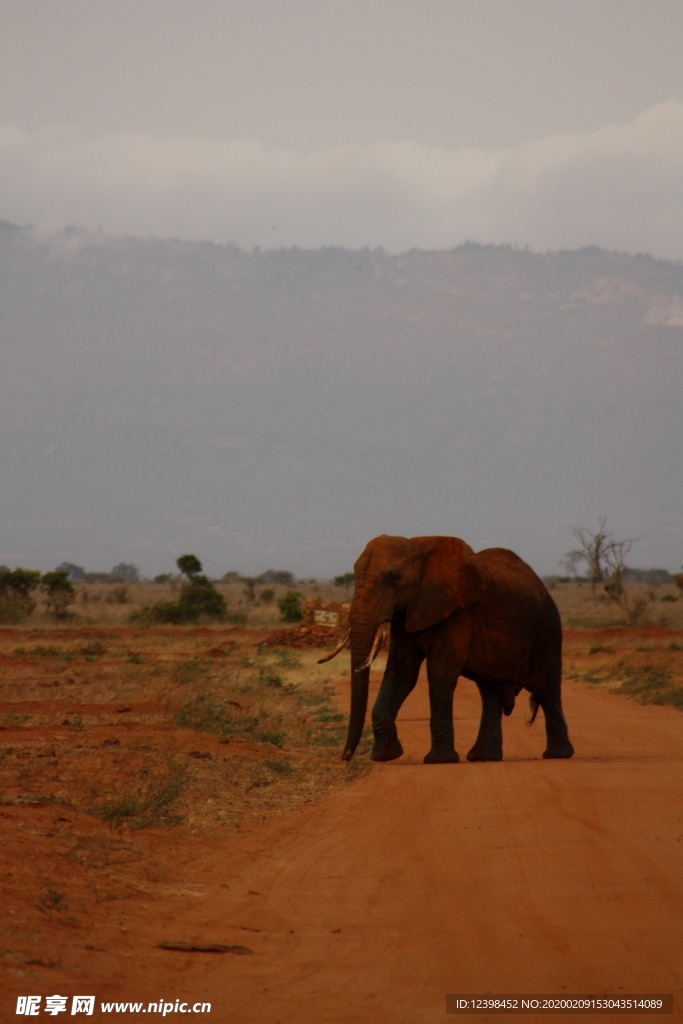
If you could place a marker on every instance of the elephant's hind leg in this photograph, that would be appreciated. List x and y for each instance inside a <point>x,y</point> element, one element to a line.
<point>558,744</point>
<point>546,689</point>
<point>509,696</point>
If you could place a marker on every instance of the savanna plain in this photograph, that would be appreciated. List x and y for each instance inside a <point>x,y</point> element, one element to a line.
<point>177,825</point>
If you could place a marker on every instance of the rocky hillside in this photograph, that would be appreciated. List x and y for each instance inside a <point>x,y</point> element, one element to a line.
<point>278,408</point>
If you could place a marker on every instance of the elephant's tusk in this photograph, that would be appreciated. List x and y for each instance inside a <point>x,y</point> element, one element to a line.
<point>344,642</point>
<point>377,645</point>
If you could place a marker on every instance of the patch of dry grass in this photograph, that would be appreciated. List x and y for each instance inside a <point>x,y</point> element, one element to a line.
<point>148,727</point>
<point>112,604</point>
<point>581,608</point>
<point>126,753</point>
<point>644,664</point>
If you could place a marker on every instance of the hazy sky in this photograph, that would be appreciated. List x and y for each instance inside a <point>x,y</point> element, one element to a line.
<point>402,123</point>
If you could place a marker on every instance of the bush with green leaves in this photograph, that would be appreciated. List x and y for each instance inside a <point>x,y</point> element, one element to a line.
<point>290,606</point>
<point>16,593</point>
<point>198,599</point>
<point>60,592</point>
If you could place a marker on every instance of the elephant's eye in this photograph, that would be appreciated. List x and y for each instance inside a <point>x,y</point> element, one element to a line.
<point>392,577</point>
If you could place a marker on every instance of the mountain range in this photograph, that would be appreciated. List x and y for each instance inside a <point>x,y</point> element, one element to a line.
<point>277,408</point>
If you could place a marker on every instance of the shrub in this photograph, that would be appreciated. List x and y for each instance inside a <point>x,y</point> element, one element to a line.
<point>16,588</point>
<point>290,606</point>
<point>60,592</point>
<point>198,599</point>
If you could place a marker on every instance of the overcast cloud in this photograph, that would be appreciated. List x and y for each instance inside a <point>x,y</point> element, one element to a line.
<point>547,123</point>
<point>402,124</point>
<point>620,187</point>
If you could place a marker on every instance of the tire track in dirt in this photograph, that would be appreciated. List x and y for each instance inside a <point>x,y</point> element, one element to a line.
<point>526,876</point>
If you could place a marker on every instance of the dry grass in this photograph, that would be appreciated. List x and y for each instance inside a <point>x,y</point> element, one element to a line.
<point>127,752</point>
<point>581,608</point>
<point>642,664</point>
<point>203,725</point>
<point>107,604</point>
<point>112,604</point>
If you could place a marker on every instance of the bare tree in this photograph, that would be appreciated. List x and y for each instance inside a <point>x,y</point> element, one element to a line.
<point>615,566</point>
<point>249,583</point>
<point>605,559</point>
<point>593,550</point>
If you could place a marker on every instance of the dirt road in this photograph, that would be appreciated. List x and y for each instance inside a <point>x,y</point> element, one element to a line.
<point>369,906</point>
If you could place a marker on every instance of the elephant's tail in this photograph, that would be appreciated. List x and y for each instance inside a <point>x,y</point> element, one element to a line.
<point>534,705</point>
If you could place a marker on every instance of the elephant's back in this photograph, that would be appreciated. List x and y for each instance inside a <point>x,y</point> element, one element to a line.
<point>505,571</point>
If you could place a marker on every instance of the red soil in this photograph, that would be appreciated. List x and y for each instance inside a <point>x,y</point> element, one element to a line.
<point>374,902</point>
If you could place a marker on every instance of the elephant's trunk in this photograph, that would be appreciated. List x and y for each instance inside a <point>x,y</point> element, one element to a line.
<point>360,682</point>
<point>365,642</point>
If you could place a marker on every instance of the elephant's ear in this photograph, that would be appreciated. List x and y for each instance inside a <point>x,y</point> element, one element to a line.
<point>450,580</point>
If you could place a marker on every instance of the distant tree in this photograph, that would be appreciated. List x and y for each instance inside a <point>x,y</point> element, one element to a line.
<point>16,590</point>
<point>267,596</point>
<point>593,551</point>
<point>279,576</point>
<point>653,576</point>
<point>60,592</point>
<point>163,577</point>
<point>346,581</point>
<point>74,572</point>
<point>124,572</point>
<point>189,566</point>
<point>250,589</point>
<point>615,567</point>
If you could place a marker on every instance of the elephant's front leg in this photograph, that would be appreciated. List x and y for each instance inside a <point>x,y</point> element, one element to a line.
<point>441,689</point>
<point>488,745</point>
<point>403,667</point>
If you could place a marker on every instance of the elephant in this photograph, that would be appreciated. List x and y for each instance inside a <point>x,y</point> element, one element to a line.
<point>484,615</point>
